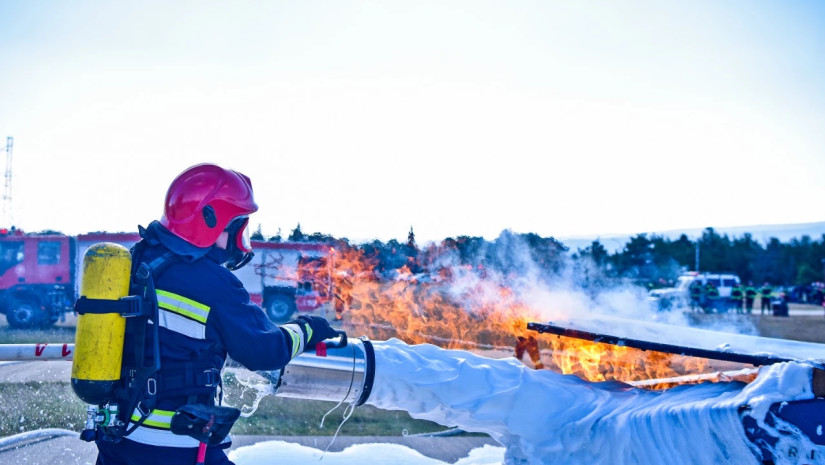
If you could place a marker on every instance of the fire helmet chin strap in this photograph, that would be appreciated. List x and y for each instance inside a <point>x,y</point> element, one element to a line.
<point>237,260</point>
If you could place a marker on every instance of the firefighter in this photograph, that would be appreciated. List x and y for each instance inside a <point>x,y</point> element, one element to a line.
<point>750,296</point>
<point>736,295</point>
<point>204,314</point>
<point>695,295</point>
<point>711,296</point>
<point>765,293</point>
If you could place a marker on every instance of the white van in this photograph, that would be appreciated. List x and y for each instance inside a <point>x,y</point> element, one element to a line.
<point>679,296</point>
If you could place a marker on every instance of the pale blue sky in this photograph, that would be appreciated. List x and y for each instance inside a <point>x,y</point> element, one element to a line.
<point>361,119</point>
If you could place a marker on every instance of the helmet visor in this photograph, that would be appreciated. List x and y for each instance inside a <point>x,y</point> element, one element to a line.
<point>238,231</point>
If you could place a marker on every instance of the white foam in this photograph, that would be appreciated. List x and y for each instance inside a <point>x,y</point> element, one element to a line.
<point>289,453</point>
<point>543,417</point>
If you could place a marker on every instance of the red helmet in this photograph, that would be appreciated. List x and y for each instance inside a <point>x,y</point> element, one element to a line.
<point>203,200</point>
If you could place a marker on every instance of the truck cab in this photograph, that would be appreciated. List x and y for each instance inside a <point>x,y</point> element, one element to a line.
<point>36,285</point>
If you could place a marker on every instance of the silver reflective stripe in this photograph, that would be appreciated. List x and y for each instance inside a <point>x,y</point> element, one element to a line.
<point>164,437</point>
<point>297,337</point>
<point>161,437</point>
<point>182,325</point>
<point>182,314</point>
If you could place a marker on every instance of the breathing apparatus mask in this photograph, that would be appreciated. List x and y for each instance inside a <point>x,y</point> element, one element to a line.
<point>238,245</point>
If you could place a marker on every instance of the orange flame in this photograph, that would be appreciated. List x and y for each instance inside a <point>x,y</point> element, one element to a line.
<point>459,307</point>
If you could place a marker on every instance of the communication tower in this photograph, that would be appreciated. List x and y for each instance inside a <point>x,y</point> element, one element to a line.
<point>8,219</point>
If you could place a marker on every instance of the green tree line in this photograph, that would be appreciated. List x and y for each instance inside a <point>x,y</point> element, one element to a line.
<point>649,260</point>
<point>657,259</point>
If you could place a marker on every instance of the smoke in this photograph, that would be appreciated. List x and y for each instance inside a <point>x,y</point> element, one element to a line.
<point>558,286</point>
<point>553,284</point>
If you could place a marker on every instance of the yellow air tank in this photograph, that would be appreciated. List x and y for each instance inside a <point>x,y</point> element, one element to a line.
<point>98,349</point>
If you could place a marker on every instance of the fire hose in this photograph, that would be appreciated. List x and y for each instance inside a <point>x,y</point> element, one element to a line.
<point>33,436</point>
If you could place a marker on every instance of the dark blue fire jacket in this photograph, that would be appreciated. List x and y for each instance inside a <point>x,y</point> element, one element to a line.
<point>204,315</point>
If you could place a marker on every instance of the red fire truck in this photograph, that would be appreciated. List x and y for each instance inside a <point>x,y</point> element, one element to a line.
<point>289,277</point>
<point>40,275</point>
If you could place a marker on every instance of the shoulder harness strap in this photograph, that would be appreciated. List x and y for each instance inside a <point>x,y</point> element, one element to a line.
<point>139,384</point>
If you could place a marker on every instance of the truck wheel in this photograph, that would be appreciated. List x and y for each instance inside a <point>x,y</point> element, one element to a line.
<point>25,314</point>
<point>280,308</point>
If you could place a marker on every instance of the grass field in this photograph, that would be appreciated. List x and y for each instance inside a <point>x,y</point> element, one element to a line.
<point>798,328</point>
<point>808,328</point>
<point>34,405</point>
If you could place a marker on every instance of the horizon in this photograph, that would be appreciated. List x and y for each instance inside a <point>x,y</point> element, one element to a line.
<point>760,233</point>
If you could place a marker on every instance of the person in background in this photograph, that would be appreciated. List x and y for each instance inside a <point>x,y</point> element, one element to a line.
<point>750,296</point>
<point>204,315</point>
<point>736,296</point>
<point>765,295</point>
<point>711,296</point>
<point>695,295</point>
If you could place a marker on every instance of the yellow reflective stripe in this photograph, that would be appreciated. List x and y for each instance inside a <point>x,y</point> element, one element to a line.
<point>157,418</point>
<point>309,332</point>
<point>182,305</point>
<point>297,337</point>
<point>296,343</point>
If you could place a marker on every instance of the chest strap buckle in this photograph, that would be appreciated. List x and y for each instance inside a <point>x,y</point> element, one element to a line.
<point>212,377</point>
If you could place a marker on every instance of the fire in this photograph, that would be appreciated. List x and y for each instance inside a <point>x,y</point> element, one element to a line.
<point>604,362</point>
<point>462,307</point>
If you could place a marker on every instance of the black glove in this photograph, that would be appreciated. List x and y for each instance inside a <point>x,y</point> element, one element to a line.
<point>316,329</point>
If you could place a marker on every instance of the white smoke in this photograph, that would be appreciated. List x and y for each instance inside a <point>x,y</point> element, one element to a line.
<point>561,288</point>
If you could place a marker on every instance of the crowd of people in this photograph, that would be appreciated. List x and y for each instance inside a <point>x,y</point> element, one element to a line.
<point>741,300</point>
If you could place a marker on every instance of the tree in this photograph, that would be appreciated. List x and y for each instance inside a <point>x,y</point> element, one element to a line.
<point>715,251</point>
<point>595,252</point>
<point>636,260</point>
<point>297,235</point>
<point>258,235</point>
<point>743,257</point>
<point>682,251</point>
<point>411,240</point>
<point>806,275</point>
<point>771,265</point>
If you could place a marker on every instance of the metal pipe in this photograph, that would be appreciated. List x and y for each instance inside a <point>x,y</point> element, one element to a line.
<point>344,374</point>
<point>30,352</point>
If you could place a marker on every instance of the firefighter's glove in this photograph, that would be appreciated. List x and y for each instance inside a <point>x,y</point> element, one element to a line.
<point>317,329</point>
<point>306,331</point>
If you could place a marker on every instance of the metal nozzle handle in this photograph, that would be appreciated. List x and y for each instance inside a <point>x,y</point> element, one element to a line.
<point>342,342</point>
